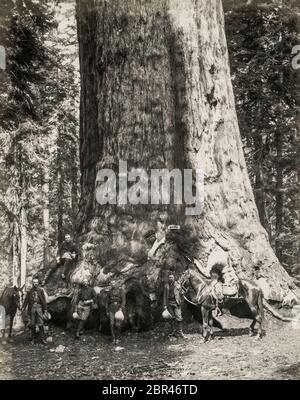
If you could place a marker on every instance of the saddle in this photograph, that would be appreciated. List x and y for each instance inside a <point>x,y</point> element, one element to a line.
<point>229,279</point>
<point>224,291</point>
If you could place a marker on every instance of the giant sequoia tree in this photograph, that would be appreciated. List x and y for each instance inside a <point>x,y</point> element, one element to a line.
<point>156,92</point>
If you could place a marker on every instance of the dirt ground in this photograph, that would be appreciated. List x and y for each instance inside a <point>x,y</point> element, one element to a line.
<point>153,355</point>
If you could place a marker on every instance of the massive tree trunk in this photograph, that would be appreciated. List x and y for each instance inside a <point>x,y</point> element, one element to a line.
<point>156,92</point>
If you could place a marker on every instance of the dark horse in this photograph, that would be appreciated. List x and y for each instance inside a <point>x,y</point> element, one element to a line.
<point>11,301</point>
<point>199,292</point>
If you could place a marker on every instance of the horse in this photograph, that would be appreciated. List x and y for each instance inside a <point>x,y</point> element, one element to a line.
<point>199,292</point>
<point>11,301</point>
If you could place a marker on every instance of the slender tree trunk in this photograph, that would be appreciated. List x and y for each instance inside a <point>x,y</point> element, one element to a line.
<point>279,194</point>
<point>74,185</point>
<point>259,189</point>
<point>22,213</point>
<point>23,246</point>
<point>15,209</point>
<point>297,90</point>
<point>156,92</point>
<point>46,216</point>
<point>60,191</point>
<point>14,256</point>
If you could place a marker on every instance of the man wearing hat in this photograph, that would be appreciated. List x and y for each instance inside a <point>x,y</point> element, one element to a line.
<point>66,254</point>
<point>172,303</point>
<point>35,301</point>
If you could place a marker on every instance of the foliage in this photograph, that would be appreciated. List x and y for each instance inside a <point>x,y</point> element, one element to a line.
<point>39,125</point>
<point>260,42</point>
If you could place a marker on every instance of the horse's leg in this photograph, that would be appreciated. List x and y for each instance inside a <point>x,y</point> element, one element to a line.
<point>140,312</point>
<point>205,322</point>
<point>211,322</point>
<point>260,315</point>
<point>251,328</point>
<point>11,321</point>
<point>259,321</point>
<point>69,318</point>
<point>100,319</point>
<point>112,326</point>
<point>256,318</point>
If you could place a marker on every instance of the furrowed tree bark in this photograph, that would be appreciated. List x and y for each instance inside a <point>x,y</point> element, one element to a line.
<point>156,92</point>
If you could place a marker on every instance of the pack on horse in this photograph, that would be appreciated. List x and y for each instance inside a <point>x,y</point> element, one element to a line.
<point>11,301</point>
<point>199,291</point>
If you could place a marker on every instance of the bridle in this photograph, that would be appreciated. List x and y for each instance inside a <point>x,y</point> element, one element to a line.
<point>185,289</point>
<point>17,300</point>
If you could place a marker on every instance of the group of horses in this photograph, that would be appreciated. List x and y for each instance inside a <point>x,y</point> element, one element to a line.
<point>197,291</point>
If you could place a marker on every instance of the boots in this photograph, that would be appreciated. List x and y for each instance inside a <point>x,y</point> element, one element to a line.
<point>179,332</point>
<point>118,335</point>
<point>43,335</point>
<point>80,327</point>
<point>33,336</point>
<point>173,328</point>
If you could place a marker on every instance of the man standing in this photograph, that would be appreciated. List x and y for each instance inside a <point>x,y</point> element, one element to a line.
<point>116,307</point>
<point>67,252</point>
<point>172,303</point>
<point>35,300</point>
<point>85,301</point>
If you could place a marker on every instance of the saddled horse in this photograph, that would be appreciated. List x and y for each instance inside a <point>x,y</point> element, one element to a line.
<point>199,292</point>
<point>10,299</point>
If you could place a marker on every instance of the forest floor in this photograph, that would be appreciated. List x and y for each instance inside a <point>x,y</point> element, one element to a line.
<point>152,355</point>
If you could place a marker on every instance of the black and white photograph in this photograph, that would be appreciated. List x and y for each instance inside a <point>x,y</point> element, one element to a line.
<point>150,192</point>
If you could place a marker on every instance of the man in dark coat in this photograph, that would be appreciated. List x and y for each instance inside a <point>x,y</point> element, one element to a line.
<point>66,253</point>
<point>85,301</point>
<point>172,303</point>
<point>35,301</point>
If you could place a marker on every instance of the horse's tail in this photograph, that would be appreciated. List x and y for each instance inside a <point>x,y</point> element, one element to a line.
<point>275,313</point>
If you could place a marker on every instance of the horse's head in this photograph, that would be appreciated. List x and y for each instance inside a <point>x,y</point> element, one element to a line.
<point>17,296</point>
<point>191,279</point>
<point>195,286</point>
